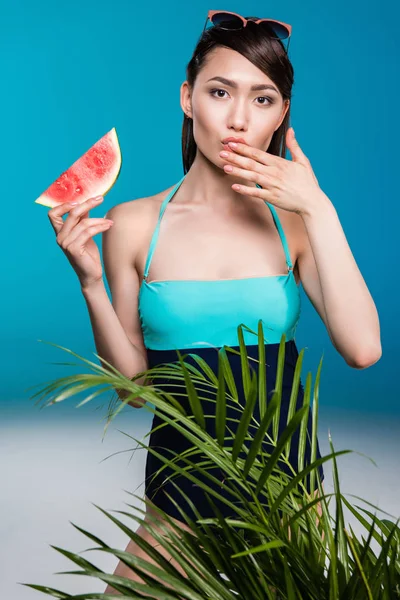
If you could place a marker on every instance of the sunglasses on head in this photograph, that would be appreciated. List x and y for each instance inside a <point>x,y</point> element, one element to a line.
<point>233,22</point>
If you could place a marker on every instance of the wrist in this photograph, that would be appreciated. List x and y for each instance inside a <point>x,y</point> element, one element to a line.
<point>319,203</point>
<point>93,288</point>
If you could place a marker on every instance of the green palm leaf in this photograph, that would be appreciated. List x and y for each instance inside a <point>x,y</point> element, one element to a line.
<point>272,546</point>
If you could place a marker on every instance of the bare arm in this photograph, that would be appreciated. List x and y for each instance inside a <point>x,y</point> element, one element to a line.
<point>115,325</point>
<point>335,286</point>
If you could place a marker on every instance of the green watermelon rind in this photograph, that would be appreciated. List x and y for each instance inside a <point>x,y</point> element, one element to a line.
<point>48,201</point>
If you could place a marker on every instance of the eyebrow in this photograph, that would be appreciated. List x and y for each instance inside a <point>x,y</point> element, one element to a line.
<point>258,87</point>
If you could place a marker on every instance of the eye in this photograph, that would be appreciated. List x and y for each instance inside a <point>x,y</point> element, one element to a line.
<point>270,100</point>
<point>212,92</point>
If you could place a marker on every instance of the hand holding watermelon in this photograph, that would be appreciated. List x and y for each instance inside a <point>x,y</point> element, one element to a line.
<point>90,177</point>
<point>74,236</point>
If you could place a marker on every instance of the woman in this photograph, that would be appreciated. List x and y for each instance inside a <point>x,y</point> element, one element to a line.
<point>228,244</point>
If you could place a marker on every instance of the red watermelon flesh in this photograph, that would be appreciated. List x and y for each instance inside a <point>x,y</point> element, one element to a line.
<point>93,174</point>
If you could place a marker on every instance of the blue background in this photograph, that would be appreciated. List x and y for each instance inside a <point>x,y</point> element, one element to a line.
<point>75,70</point>
<point>70,72</point>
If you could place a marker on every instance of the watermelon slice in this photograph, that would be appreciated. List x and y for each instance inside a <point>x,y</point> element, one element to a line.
<point>93,174</point>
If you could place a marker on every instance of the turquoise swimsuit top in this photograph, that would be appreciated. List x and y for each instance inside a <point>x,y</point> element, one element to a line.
<point>180,314</point>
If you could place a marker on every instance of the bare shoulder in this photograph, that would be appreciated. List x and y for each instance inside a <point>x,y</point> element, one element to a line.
<point>145,208</point>
<point>132,213</point>
<point>135,217</point>
<point>134,221</point>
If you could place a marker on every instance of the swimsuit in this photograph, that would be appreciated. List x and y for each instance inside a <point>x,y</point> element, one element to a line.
<point>200,317</point>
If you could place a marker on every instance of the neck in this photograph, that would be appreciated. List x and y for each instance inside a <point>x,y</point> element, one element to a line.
<point>209,186</point>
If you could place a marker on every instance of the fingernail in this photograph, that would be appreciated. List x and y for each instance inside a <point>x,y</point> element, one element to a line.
<point>74,203</point>
<point>98,198</point>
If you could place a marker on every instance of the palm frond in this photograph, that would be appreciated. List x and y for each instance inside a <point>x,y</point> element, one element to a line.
<point>274,545</point>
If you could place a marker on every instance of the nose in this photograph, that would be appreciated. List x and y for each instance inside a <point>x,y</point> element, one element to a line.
<point>238,117</point>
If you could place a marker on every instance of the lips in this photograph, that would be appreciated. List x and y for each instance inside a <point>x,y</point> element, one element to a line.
<point>233,139</point>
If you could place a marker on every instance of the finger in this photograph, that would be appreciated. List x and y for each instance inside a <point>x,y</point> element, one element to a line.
<point>65,238</point>
<point>56,213</point>
<point>248,190</point>
<point>261,156</point>
<point>295,150</point>
<point>73,245</point>
<point>75,214</point>
<point>250,164</point>
<point>249,175</point>
<point>243,161</point>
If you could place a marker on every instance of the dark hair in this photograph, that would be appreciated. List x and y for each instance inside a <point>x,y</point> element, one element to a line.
<point>266,53</point>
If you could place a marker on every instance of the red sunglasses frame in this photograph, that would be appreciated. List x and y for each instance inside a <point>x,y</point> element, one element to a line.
<point>211,13</point>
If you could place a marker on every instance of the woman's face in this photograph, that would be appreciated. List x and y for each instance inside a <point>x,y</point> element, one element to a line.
<point>222,109</point>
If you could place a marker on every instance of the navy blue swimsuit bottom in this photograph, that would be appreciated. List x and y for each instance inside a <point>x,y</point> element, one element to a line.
<point>168,438</point>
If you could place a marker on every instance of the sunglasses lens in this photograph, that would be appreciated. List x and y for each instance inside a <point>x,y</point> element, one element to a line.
<point>227,21</point>
<point>275,29</point>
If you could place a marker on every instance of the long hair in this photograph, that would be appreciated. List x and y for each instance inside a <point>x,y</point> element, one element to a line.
<point>266,53</point>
